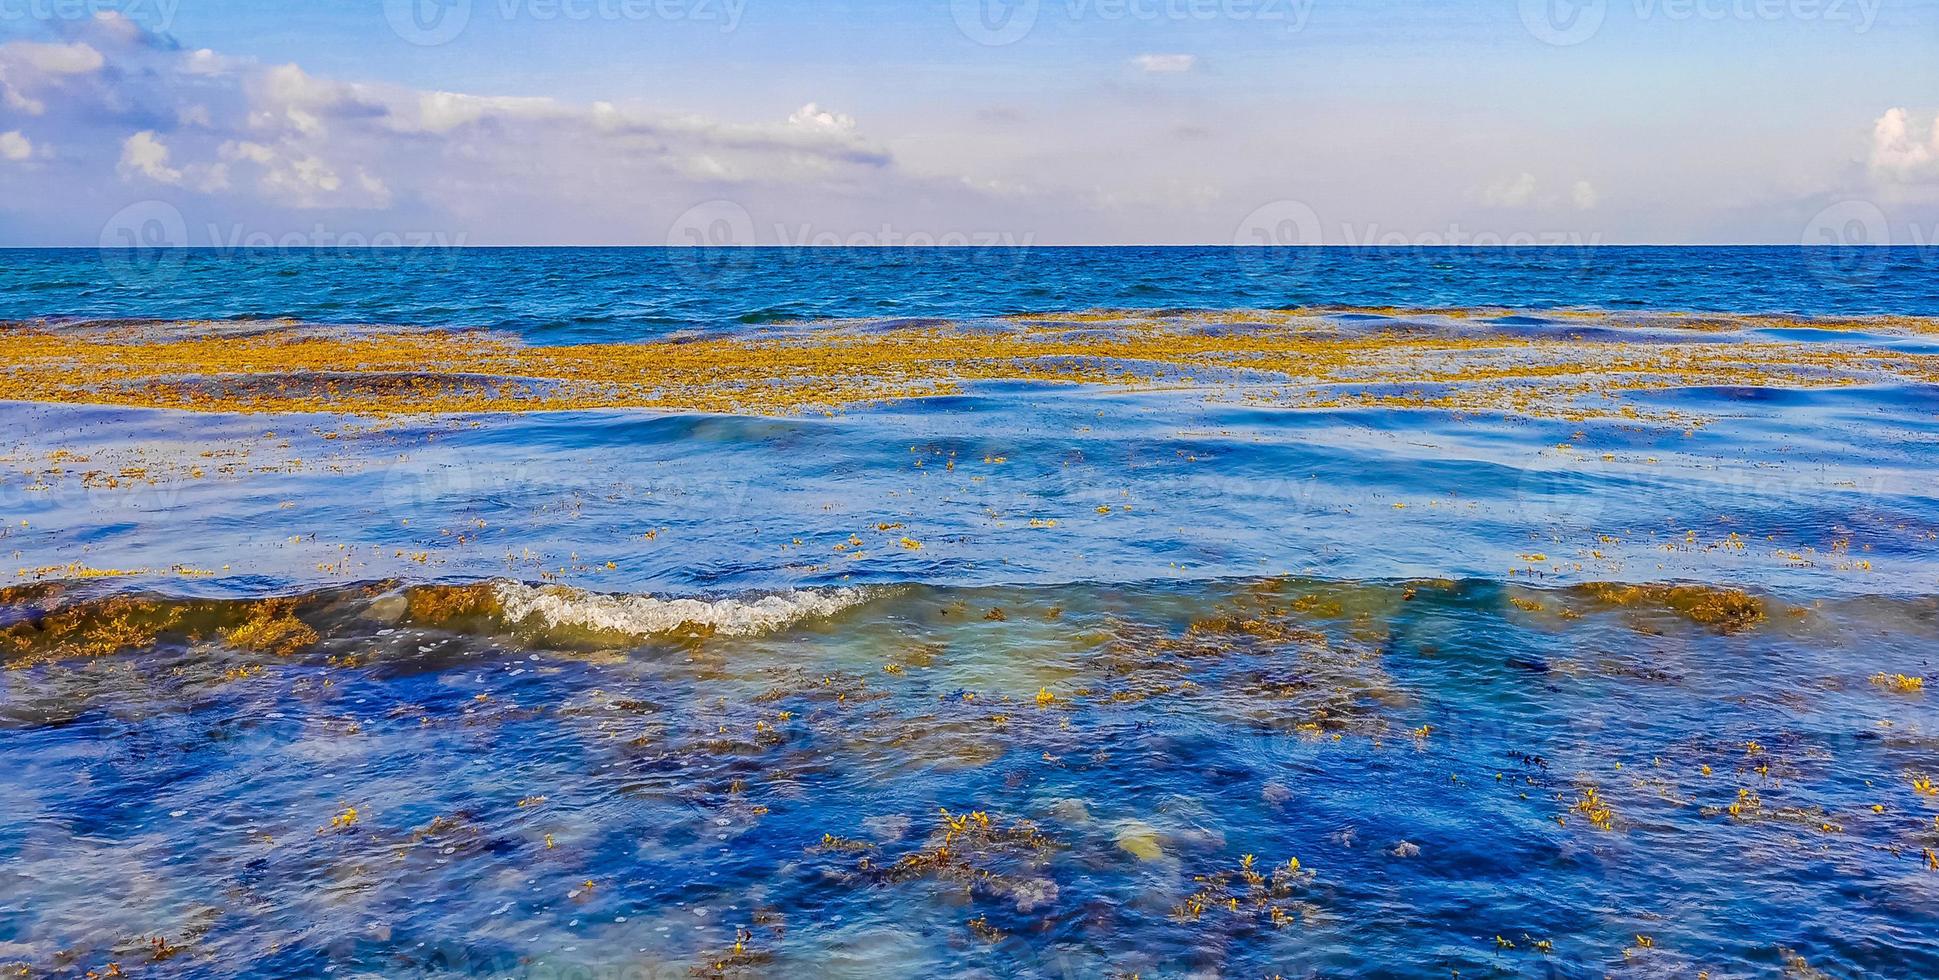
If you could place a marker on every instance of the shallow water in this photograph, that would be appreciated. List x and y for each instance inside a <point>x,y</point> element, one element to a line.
<point>415,792</point>
<point>1006,682</point>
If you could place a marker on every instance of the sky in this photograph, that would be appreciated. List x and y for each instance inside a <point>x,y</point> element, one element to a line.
<point>980,122</point>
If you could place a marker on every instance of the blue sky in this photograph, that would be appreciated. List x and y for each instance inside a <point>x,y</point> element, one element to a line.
<point>1007,121</point>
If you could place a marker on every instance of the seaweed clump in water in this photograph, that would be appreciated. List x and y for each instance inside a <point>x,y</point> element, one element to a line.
<point>272,627</point>
<point>438,605</point>
<point>48,623</point>
<point>971,850</point>
<point>48,630</point>
<point>1722,609</point>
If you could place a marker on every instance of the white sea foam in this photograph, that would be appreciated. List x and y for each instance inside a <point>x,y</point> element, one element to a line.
<point>645,615</point>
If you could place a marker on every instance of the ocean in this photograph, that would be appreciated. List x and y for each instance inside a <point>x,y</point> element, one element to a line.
<point>1000,612</point>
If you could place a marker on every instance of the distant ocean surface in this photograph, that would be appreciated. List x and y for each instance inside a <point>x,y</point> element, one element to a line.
<point>573,295</point>
<point>1053,613</point>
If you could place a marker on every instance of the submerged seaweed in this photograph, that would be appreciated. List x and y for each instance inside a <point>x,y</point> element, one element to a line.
<point>1273,775</point>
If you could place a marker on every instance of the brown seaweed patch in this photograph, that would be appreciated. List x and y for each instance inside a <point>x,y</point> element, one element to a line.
<point>272,627</point>
<point>97,628</point>
<point>981,854</point>
<point>1292,359</point>
<point>440,605</point>
<point>1290,675</point>
<point>1723,609</point>
<point>50,623</point>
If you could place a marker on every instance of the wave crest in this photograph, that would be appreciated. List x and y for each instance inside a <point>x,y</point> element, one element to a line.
<point>560,607</point>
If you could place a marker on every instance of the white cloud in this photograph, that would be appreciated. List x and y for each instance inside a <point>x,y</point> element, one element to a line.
<point>53,59</point>
<point>1584,196</point>
<point>1165,64</point>
<point>206,62</point>
<point>144,154</point>
<point>1898,153</point>
<point>118,26</point>
<point>298,179</point>
<point>276,147</point>
<point>29,67</point>
<point>1510,192</point>
<point>267,146</point>
<point>15,147</point>
<point>812,116</point>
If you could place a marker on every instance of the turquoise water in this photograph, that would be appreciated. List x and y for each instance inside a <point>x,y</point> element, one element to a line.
<point>1496,681</point>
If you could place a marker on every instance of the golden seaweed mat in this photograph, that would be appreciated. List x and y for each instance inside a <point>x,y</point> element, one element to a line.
<point>1561,364</point>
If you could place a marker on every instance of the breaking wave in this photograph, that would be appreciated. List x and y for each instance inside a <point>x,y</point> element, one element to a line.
<point>559,607</point>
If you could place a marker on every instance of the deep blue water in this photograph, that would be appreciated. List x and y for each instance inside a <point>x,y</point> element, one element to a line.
<point>563,295</point>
